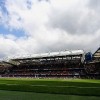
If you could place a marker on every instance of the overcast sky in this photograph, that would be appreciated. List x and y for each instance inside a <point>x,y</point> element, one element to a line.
<point>36,26</point>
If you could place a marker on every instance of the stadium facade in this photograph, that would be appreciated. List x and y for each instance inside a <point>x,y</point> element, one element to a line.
<point>63,64</point>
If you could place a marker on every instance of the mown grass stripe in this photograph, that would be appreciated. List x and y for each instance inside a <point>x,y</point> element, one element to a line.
<point>49,86</point>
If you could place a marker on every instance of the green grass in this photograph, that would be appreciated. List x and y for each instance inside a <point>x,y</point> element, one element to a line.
<point>54,86</point>
<point>16,95</point>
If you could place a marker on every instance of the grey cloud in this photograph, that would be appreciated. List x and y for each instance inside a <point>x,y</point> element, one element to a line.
<point>77,21</point>
<point>94,4</point>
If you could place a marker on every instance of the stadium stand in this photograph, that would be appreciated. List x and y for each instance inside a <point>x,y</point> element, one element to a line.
<point>63,64</point>
<point>96,55</point>
<point>93,66</point>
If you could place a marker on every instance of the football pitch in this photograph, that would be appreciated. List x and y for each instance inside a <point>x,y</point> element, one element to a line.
<point>15,95</point>
<point>49,89</point>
